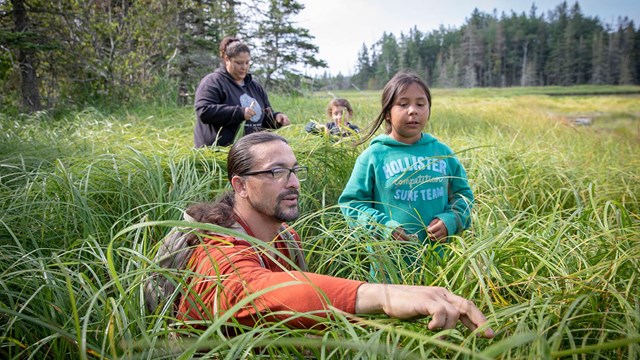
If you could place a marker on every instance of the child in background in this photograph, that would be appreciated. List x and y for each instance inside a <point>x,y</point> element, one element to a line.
<point>407,180</point>
<point>341,112</point>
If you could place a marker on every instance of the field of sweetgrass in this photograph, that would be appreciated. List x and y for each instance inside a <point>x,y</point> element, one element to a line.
<point>552,257</point>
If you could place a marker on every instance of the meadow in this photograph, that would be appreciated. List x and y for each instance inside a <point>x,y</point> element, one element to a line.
<point>552,257</point>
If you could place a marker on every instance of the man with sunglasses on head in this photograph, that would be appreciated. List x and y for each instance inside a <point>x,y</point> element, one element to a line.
<point>226,270</point>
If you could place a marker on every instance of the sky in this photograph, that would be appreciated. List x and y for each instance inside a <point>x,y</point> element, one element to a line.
<point>341,27</point>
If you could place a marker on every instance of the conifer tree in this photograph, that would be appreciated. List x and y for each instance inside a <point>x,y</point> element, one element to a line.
<point>388,60</point>
<point>282,45</point>
<point>22,37</point>
<point>364,70</point>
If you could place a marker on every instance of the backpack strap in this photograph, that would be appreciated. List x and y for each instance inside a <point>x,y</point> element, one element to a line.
<point>294,248</point>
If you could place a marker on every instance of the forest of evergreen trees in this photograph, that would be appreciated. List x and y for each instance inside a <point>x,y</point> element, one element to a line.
<point>56,53</point>
<point>562,47</point>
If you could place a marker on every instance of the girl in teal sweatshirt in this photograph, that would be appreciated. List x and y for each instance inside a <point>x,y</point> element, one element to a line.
<point>406,180</point>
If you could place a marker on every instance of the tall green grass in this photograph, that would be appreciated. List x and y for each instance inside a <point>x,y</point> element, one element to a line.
<point>551,258</point>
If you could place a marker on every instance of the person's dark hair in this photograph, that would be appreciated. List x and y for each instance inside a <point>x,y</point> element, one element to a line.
<point>241,155</point>
<point>219,212</point>
<point>231,47</point>
<point>339,102</point>
<point>399,83</point>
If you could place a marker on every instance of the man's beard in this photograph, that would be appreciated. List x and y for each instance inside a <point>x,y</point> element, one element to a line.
<point>289,213</point>
<point>279,212</point>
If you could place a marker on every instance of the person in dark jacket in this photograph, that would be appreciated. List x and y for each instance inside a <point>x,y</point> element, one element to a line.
<point>229,103</point>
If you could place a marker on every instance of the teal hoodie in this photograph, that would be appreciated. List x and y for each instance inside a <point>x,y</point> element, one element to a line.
<point>396,184</point>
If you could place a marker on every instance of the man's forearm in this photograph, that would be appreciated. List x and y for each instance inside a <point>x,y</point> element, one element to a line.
<point>367,301</point>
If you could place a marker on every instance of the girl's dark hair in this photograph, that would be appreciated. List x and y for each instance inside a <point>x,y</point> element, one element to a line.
<point>399,83</point>
<point>239,161</point>
<point>231,47</point>
<point>339,102</point>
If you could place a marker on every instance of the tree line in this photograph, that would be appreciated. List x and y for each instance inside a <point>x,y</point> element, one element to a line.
<point>58,53</point>
<point>563,47</point>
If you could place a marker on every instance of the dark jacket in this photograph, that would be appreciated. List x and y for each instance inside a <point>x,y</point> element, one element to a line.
<point>220,104</point>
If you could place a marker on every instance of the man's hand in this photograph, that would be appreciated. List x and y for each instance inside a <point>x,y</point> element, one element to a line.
<point>437,231</point>
<point>407,302</point>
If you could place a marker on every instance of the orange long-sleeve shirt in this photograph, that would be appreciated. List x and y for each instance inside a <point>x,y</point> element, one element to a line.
<point>227,271</point>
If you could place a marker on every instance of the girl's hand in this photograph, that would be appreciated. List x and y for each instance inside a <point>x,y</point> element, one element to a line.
<point>399,234</point>
<point>437,231</point>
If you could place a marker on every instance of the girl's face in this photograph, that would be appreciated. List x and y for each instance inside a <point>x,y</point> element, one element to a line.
<point>338,113</point>
<point>238,66</point>
<point>409,114</point>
